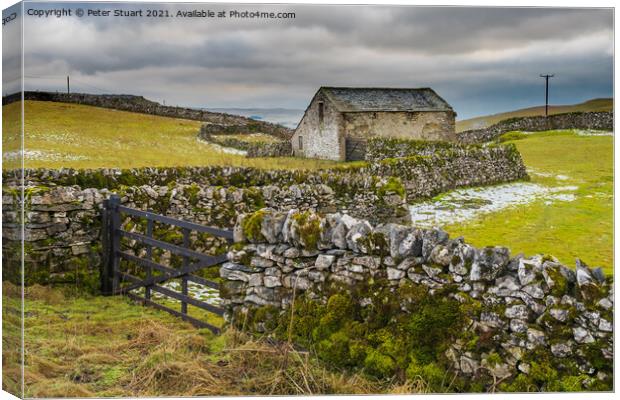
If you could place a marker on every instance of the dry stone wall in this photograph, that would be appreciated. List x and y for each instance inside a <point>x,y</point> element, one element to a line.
<point>578,120</point>
<point>381,148</point>
<point>62,223</point>
<point>520,307</point>
<point>277,149</point>
<point>420,175</point>
<point>63,206</point>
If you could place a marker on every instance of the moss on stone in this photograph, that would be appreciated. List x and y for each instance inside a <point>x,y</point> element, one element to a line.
<point>378,338</point>
<point>560,283</point>
<point>308,227</point>
<point>254,198</point>
<point>393,185</point>
<point>251,226</point>
<point>191,192</point>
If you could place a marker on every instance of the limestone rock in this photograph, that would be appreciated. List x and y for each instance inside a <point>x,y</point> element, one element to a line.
<point>518,312</point>
<point>272,281</point>
<point>535,338</point>
<point>605,325</point>
<point>559,314</point>
<point>507,282</point>
<point>324,262</point>
<point>582,336</point>
<point>561,350</point>
<point>605,303</point>
<point>528,269</point>
<point>395,274</point>
<point>411,245</point>
<point>430,239</point>
<point>518,326</point>
<point>491,319</point>
<point>468,365</point>
<point>271,226</point>
<point>534,290</point>
<point>524,367</point>
<point>441,255</point>
<point>584,276</point>
<point>358,237</point>
<point>432,272</point>
<point>255,280</point>
<point>234,272</point>
<point>489,263</point>
<point>462,258</point>
<point>291,252</point>
<point>598,274</point>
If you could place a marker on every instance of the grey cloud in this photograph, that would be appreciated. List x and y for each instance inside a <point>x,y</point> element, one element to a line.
<point>472,56</point>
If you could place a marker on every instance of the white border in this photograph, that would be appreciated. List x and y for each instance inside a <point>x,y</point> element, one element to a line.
<point>481,3</point>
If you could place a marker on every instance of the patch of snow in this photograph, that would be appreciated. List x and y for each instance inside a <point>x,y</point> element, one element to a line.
<point>40,155</point>
<point>559,177</point>
<point>563,189</point>
<point>466,204</point>
<point>543,174</point>
<point>578,132</point>
<point>560,197</point>
<point>592,132</point>
<point>194,290</point>
<point>222,149</point>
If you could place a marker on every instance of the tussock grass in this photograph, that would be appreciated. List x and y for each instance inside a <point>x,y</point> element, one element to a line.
<point>108,346</point>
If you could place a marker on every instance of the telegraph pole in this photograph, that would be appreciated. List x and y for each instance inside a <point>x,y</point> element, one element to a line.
<point>68,91</point>
<point>546,93</point>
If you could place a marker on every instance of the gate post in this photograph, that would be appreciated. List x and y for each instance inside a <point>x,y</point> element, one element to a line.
<point>105,274</point>
<point>115,240</point>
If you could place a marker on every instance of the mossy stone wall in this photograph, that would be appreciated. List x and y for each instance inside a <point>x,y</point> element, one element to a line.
<point>398,301</point>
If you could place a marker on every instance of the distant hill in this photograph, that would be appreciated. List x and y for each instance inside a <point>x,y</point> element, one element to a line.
<point>287,117</point>
<point>487,120</point>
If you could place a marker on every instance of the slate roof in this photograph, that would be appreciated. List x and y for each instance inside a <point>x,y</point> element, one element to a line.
<point>348,99</point>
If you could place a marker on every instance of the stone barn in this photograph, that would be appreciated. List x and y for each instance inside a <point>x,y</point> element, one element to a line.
<point>338,120</point>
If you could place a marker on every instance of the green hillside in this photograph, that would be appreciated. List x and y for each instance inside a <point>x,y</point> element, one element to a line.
<point>487,120</point>
<point>581,226</point>
<point>78,136</point>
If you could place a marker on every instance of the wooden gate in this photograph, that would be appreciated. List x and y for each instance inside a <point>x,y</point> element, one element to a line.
<point>116,281</point>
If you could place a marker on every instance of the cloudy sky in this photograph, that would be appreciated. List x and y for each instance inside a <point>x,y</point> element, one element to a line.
<point>481,60</point>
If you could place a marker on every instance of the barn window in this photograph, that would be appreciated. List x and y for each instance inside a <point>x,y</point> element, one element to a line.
<point>321,112</point>
<point>301,142</point>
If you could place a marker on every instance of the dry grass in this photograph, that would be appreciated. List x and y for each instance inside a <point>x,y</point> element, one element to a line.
<point>107,346</point>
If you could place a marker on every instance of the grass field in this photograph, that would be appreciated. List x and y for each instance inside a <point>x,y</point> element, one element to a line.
<point>77,136</point>
<point>107,346</point>
<point>487,120</point>
<point>582,227</point>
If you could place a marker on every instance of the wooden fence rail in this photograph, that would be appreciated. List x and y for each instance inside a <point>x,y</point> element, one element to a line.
<point>115,281</point>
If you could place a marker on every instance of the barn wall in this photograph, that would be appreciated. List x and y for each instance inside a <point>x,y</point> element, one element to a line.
<point>320,142</point>
<point>411,125</point>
